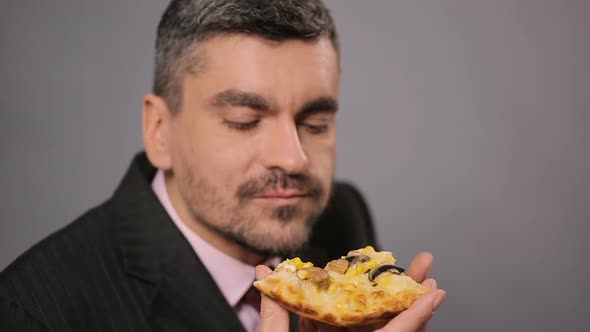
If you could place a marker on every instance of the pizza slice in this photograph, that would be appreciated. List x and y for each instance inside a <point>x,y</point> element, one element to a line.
<point>363,287</point>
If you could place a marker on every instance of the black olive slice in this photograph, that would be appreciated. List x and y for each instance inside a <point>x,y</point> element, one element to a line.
<point>384,267</point>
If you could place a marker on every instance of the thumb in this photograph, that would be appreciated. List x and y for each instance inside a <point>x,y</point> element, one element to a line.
<point>415,317</point>
<point>273,318</point>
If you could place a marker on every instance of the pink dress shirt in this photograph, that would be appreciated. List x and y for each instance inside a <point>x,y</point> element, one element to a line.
<point>232,276</point>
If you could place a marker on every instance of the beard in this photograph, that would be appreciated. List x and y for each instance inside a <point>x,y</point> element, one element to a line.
<point>278,231</point>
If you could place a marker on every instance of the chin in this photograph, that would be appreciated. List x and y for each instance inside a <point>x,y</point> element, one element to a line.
<point>273,237</point>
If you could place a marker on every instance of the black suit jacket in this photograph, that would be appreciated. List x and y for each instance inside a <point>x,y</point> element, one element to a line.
<point>124,266</point>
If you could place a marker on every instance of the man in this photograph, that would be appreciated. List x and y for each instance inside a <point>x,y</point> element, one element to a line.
<point>240,145</point>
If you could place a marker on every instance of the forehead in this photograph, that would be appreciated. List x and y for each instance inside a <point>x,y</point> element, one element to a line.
<point>286,71</point>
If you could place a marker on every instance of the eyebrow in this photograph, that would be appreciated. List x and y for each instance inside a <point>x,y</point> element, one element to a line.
<point>320,105</point>
<point>235,97</point>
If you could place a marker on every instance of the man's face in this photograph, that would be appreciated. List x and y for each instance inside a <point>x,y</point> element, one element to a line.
<point>254,145</point>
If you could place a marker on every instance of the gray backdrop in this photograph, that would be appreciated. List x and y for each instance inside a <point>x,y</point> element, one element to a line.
<point>466,124</point>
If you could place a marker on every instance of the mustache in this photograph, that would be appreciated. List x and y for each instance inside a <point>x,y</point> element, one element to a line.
<point>279,180</point>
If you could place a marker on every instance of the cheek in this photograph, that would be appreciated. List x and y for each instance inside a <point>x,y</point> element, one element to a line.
<point>322,156</point>
<point>212,151</point>
<point>223,165</point>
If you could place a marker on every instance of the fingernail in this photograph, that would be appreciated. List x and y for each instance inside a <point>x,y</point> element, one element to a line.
<point>430,283</point>
<point>438,300</point>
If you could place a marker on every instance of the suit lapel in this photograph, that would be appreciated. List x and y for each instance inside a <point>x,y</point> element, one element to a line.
<point>195,298</point>
<point>177,291</point>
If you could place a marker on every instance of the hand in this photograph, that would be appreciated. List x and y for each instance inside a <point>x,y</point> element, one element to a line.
<point>275,318</point>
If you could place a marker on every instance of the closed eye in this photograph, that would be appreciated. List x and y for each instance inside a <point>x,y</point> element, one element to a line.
<point>316,123</point>
<point>241,126</point>
<point>315,129</point>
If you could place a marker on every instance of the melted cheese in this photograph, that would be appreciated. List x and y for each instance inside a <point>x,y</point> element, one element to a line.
<point>348,292</point>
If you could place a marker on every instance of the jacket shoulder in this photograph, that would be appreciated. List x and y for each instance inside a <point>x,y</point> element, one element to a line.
<point>61,269</point>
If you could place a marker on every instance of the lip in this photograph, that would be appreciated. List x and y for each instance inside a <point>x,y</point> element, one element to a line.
<point>283,195</point>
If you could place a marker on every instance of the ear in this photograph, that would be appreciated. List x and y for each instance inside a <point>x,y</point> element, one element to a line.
<point>156,119</point>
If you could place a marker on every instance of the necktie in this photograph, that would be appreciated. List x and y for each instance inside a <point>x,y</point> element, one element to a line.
<point>252,297</point>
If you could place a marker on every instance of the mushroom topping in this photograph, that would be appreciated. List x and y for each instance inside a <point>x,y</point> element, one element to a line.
<point>316,275</point>
<point>338,265</point>
<point>356,258</point>
<point>384,267</point>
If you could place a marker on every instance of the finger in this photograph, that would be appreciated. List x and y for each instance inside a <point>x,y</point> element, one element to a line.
<point>423,327</point>
<point>273,318</point>
<point>262,271</point>
<point>419,267</point>
<point>417,316</point>
<point>430,283</point>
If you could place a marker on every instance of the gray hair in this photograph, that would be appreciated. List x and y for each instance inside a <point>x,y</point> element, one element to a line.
<point>186,23</point>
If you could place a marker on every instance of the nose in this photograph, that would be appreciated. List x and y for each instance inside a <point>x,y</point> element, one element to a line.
<point>282,149</point>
